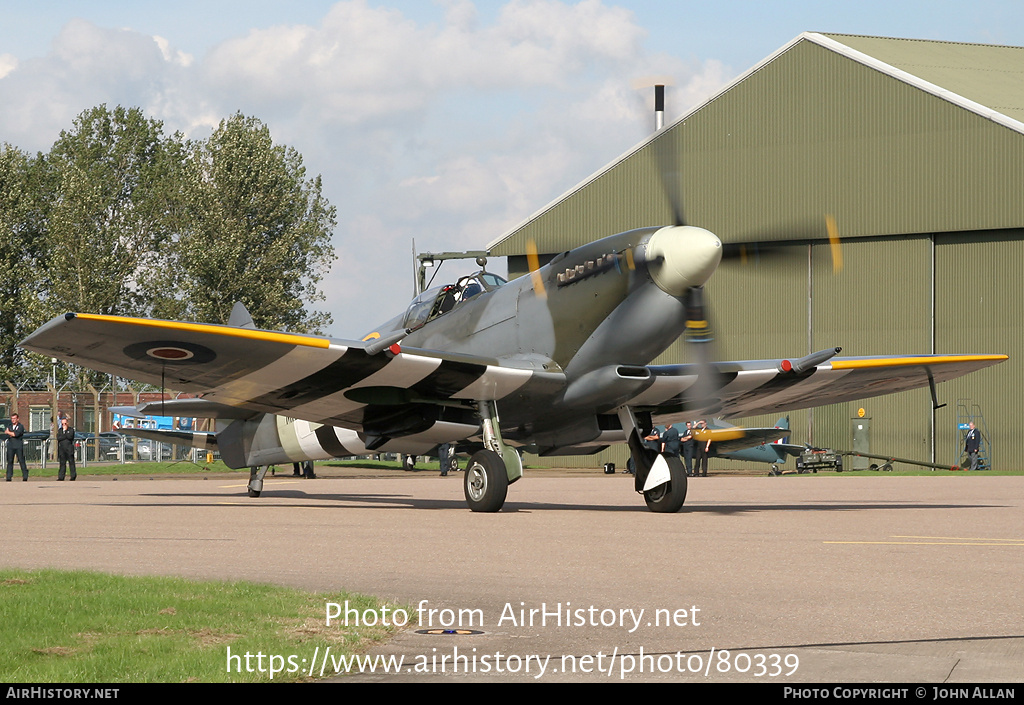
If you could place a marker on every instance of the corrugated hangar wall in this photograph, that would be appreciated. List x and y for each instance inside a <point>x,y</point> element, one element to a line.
<point>928,198</point>
<point>980,306</point>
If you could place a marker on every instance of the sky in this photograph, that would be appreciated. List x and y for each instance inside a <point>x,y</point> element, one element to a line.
<point>445,122</point>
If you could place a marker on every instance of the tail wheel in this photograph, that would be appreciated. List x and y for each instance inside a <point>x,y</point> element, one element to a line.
<point>409,462</point>
<point>669,497</point>
<point>485,482</point>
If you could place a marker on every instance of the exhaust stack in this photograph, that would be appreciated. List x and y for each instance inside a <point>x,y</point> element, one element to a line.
<point>659,107</point>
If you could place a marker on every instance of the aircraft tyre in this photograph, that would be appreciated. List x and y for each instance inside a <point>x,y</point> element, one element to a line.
<point>669,497</point>
<point>256,475</point>
<point>485,482</point>
<point>409,462</point>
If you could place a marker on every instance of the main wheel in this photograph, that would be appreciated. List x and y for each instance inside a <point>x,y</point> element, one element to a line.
<point>485,482</point>
<point>254,493</point>
<point>669,497</point>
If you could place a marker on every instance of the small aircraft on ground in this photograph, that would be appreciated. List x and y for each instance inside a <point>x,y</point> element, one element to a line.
<point>555,362</point>
<point>756,445</point>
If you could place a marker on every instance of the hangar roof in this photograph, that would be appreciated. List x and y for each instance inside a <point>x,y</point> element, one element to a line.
<point>990,75</point>
<point>890,135</point>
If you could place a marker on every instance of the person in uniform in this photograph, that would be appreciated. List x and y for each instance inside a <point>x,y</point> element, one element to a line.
<point>653,440</point>
<point>444,452</point>
<point>66,449</point>
<point>700,469</point>
<point>16,447</point>
<point>670,441</point>
<point>972,445</point>
<point>689,446</point>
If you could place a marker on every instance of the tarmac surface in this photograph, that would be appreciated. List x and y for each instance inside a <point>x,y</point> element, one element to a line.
<point>800,579</point>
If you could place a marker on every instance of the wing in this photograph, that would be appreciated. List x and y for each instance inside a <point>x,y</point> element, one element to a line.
<point>727,440</point>
<point>395,392</point>
<point>762,387</point>
<point>790,448</point>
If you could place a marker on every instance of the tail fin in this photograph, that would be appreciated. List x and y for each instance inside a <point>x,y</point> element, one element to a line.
<point>783,423</point>
<point>240,317</point>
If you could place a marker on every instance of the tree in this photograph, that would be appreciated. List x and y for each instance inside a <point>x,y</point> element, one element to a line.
<point>103,204</point>
<point>258,231</point>
<point>19,254</point>
<point>119,218</point>
<point>112,201</point>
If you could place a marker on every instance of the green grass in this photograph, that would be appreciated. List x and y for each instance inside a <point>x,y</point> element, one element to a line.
<point>183,467</point>
<point>78,627</point>
<point>376,464</point>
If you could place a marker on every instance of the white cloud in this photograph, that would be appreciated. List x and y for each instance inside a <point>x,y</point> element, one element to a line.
<point>8,62</point>
<point>364,63</point>
<point>177,57</point>
<point>86,66</point>
<point>102,55</point>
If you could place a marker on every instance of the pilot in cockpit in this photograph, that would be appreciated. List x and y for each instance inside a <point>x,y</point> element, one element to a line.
<point>470,288</point>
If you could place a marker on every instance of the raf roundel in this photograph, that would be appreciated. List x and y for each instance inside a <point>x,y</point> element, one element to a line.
<point>170,351</point>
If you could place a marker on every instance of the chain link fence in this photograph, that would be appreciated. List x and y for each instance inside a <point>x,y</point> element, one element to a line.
<point>40,405</point>
<point>41,452</point>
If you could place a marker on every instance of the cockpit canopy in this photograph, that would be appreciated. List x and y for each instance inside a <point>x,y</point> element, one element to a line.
<point>442,299</point>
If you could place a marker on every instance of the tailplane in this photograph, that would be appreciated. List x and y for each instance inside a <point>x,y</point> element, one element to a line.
<point>191,439</point>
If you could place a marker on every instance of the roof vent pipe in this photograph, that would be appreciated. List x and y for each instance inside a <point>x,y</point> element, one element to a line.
<point>659,107</point>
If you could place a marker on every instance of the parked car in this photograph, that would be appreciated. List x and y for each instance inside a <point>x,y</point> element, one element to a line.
<point>35,436</point>
<point>147,450</point>
<point>109,444</point>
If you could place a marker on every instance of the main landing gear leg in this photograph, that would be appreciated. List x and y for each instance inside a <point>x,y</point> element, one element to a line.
<point>256,475</point>
<point>490,471</point>
<point>660,478</point>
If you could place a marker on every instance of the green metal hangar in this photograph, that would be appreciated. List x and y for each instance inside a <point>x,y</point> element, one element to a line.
<point>917,149</point>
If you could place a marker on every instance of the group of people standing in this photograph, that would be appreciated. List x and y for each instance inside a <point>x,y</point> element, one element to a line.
<point>14,435</point>
<point>674,442</point>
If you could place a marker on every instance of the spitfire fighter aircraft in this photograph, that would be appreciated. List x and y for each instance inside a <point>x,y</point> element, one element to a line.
<point>756,445</point>
<point>554,362</point>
